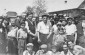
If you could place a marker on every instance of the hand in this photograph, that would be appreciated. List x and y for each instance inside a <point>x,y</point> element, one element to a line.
<point>48,36</point>
<point>39,40</point>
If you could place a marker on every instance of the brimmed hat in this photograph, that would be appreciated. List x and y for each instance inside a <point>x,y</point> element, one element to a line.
<point>59,23</point>
<point>69,18</point>
<point>43,46</point>
<point>29,44</point>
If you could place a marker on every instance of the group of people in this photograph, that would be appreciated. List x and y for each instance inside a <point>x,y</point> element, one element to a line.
<point>49,35</point>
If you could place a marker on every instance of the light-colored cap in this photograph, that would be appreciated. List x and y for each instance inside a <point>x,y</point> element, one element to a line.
<point>30,44</point>
<point>43,46</point>
<point>59,23</point>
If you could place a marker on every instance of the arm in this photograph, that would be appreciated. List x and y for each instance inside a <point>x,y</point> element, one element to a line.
<point>37,32</point>
<point>75,35</point>
<point>18,34</point>
<point>51,31</point>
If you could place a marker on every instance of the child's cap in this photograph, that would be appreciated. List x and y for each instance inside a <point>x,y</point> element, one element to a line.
<point>29,44</point>
<point>43,46</point>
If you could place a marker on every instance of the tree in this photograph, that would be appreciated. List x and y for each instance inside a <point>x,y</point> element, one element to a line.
<point>29,10</point>
<point>40,7</point>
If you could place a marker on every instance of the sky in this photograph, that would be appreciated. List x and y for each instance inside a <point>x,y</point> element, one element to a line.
<point>19,6</point>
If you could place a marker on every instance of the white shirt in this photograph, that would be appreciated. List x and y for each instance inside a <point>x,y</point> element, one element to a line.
<point>27,53</point>
<point>26,26</point>
<point>55,29</point>
<point>40,52</point>
<point>51,53</point>
<point>13,32</point>
<point>43,28</point>
<point>70,29</point>
<point>78,49</point>
<point>68,53</point>
<point>21,33</point>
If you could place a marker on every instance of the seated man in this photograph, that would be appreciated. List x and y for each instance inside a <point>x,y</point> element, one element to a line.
<point>65,51</point>
<point>76,49</point>
<point>71,30</point>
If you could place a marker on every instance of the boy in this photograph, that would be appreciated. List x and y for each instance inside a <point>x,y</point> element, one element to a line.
<point>29,50</point>
<point>21,35</point>
<point>43,50</point>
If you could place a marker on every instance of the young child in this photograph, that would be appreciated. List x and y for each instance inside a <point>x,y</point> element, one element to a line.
<point>21,35</point>
<point>60,37</point>
<point>29,50</point>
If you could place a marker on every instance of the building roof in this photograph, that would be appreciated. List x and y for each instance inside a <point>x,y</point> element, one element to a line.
<point>11,14</point>
<point>59,6</point>
<point>82,5</point>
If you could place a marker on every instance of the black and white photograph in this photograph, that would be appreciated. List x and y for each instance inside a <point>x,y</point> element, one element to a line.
<point>42,27</point>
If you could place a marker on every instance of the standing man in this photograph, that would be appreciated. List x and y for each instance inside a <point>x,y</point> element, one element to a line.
<point>43,29</point>
<point>12,37</point>
<point>31,27</point>
<point>71,30</point>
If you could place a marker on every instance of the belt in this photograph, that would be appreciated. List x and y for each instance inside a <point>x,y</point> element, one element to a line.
<point>12,37</point>
<point>22,38</point>
<point>43,33</point>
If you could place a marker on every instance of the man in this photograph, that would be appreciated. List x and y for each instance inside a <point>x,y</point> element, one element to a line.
<point>12,37</point>
<point>65,51</point>
<point>71,30</point>
<point>76,49</point>
<point>2,37</point>
<point>31,27</point>
<point>43,29</point>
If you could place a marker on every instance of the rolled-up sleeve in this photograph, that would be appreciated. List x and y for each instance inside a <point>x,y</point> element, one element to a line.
<point>26,26</point>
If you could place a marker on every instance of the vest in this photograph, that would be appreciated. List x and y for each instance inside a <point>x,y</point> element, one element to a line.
<point>31,26</point>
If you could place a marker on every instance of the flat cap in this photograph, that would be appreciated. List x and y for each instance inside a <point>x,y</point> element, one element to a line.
<point>30,44</point>
<point>43,46</point>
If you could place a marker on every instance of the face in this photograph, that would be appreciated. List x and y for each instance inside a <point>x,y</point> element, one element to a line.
<point>63,22</point>
<point>61,31</point>
<point>70,22</point>
<point>30,16</point>
<point>40,18</point>
<point>33,19</point>
<point>12,20</point>
<point>70,44</point>
<point>23,26</point>
<point>45,19</point>
<point>65,48</point>
<point>30,48</point>
<point>54,49</point>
